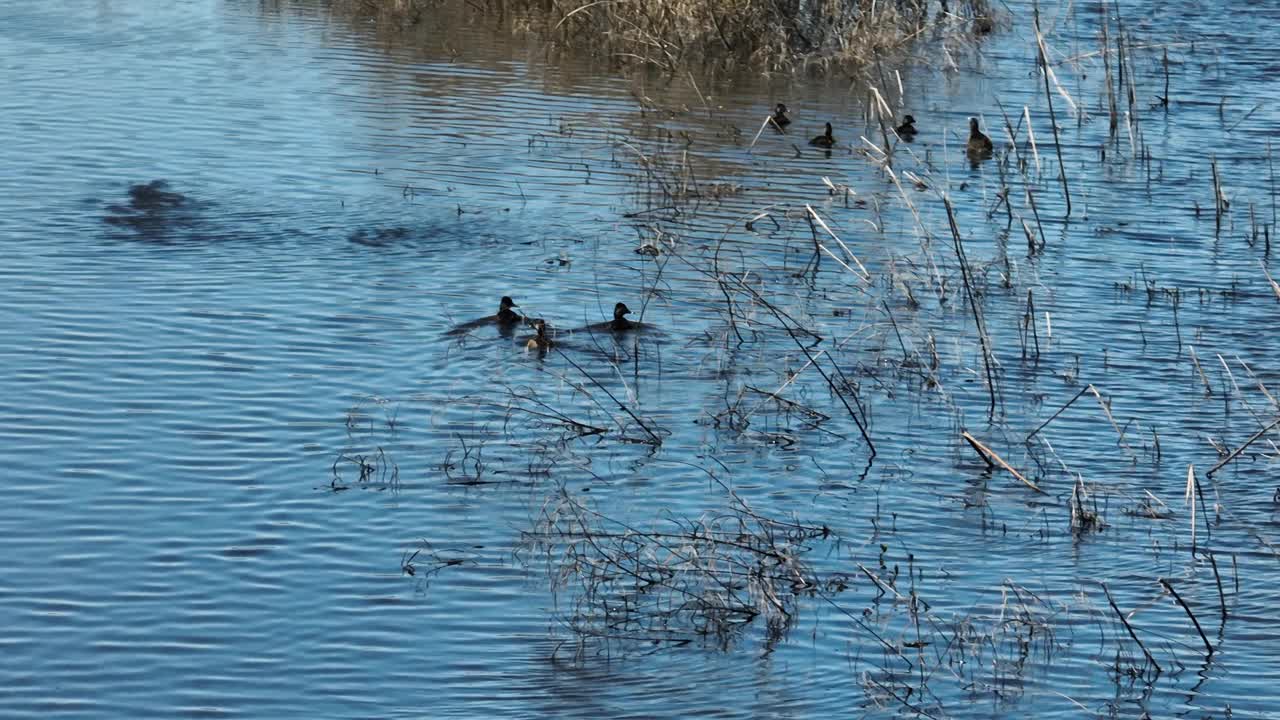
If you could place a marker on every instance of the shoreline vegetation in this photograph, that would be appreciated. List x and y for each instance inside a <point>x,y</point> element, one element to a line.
<point>673,35</point>
<point>966,323</point>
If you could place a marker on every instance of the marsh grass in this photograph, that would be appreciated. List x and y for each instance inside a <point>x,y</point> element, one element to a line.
<point>712,577</point>
<point>676,35</point>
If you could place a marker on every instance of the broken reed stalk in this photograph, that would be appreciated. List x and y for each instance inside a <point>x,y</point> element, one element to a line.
<point>1132,633</point>
<point>719,278</point>
<point>1190,497</point>
<point>881,110</point>
<point>1101,403</point>
<point>1208,526</point>
<point>985,341</point>
<point>1169,586</point>
<point>1013,141</point>
<point>782,318</point>
<point>1275,288</point>
<point>1164,61</point>
<point>990,455</point>
<point>1031,320</point>
<point>1053,117</point>
<point>1272,171</point>
<point>580,428</point>
<point>621,405</point>
<point>1222,599</point>
<point>1031,199</point>
<point>1241,449</point>
<point>1031,139</point>
<point>1217,195</point>
<point>1106,66</point>
<point>1053,417</point>
<point>861,272</point>
<point>894,322</point>
<point>1208,389</point>
<point>1107,411</point>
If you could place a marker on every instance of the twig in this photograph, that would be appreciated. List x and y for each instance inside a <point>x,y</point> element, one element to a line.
<point>1169,586</point>
<point>1053,417</point>
<point>1222,599</point>
<point>990,455</point>
<point>1129,627</point>
<point>987,359</point>
<point>1241,449</point>
<point>621,406</point>
<point>1053,117</point>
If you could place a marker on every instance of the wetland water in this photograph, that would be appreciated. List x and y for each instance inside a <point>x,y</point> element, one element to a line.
<point>230,414</point>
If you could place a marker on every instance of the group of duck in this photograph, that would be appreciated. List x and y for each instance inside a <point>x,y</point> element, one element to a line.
<point>507,320</point>
<point>978,147</point>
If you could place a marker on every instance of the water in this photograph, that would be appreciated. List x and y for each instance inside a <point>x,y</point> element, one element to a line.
<point>192,381</point>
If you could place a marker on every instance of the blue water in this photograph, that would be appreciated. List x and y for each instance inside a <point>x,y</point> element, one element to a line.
<point>189,387</point>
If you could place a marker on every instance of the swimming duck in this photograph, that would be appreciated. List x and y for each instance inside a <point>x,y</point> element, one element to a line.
<point>540,342</point>
<point>506,318</point>
<point>825,140</point>
<point>780,118</point>
<point>979,146</point>
<point>619,323</point>
<point>907,130</point>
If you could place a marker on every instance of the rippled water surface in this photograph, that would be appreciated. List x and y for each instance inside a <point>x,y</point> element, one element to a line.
<point>236,234</point>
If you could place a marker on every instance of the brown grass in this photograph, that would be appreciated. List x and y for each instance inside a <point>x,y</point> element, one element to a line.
<point>757,35</point>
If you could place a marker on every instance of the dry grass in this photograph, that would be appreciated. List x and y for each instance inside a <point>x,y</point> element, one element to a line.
<point>760,35</point>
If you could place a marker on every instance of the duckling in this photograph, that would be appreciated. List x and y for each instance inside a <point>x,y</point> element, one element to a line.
<point>506,318</point>
<point>825,140</point>
<point>540,342</point>
<point>979,146</point>
<point>907,130</point>
<point>780,119</point>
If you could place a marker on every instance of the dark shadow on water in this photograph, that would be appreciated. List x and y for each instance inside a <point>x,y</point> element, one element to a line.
<point>379,237</point>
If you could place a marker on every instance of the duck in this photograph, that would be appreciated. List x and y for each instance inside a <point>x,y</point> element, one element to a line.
<point>825,140</point>
<point>540,342</point>
<point>780,118</point>
<point>619,323</point>
<point>979,146</point>
<point>506,318</point>
<point>907,130</point>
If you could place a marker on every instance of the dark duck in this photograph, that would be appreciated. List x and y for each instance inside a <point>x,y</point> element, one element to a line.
<point>619,323</point>
<point>979,146</point>
<point>780,119</point>
<point>506,318</point>
<point>907,130</point>
<point>825,140</point>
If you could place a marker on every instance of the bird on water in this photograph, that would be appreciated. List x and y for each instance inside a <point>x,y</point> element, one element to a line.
<point>780,118</point>
<point>979,146</point>
<point>619,323</point>
<point>506,318</point>
<point>907,130</point>
<point>825,140</point>
<point>540,342</point>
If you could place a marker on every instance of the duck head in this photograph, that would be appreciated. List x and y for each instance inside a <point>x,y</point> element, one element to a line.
<point>505,313</point>
<point>539,342</point>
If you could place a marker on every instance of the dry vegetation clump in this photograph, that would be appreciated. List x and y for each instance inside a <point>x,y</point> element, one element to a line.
<point>679,581</point>
<point>766,35</point>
